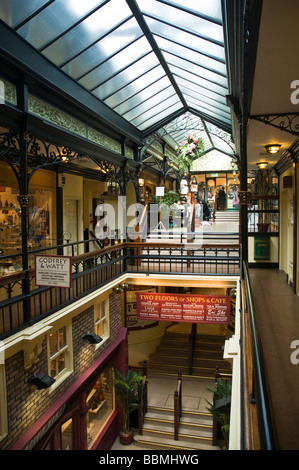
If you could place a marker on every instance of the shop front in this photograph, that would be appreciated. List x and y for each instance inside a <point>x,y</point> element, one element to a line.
<point>86,417</point>
<point>220,190</point>
<point>41,216</point>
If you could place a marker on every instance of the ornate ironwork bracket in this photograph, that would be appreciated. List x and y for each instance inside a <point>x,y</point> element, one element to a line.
<point>288,122</point>
<point>14,147</point>
<point>121,174</point>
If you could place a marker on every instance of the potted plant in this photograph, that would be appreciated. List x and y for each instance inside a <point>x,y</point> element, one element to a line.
<point>220,408</point>
<point>127,390</point>
<point>170,198</point>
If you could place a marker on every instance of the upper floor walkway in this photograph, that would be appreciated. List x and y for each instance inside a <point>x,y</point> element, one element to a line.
<point>275,309</point>
<point>213,250</point>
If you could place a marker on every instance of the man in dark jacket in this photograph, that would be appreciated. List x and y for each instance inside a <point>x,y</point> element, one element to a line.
<point>221,198</point>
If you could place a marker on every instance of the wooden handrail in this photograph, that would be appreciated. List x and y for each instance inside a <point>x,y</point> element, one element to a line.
<point>177,399</point>
<point>192,338</point>
<point>251,440</point>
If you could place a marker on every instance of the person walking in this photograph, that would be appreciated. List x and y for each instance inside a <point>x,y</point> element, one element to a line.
<point>222,196</point>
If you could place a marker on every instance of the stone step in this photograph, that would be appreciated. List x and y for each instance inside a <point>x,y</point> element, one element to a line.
<point>153,429</point>
<point>204,374</point>
<point>167,443</point>
<point>188,420</point>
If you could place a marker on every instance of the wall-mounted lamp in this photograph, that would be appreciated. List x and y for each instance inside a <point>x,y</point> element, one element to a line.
<point>120,288</point>
<point>272,148</point>
<point>141,182</point>
<point>41,381</point>
<point>262,165</point>
<point>92,338</point>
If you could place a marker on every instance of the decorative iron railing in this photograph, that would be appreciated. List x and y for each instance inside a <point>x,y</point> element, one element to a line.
<point>22,302</point>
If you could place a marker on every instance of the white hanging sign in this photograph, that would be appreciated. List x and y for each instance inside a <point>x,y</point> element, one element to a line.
<point>53,271</point>
<point>160,191</point>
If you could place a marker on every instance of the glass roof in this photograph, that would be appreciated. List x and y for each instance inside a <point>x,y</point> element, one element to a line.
<point>214,138</point>
<point>148,60</point>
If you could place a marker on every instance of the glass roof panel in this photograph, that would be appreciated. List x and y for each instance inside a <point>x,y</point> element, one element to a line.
<point>132,89</point>
<point>191,23</point>
<point>167,96</point>
<point>150,121</point>
<point>54,20</point>
<point>211,8</point>
<point>13,15</point>
<point>202,93</point>
<point>192,56</point>
<point>142,115</point>
<point>130,74</point>
<point>203,98</point>
<point>147,93</point>
<point>186,38</point>
<point>221,145</point>
<point>88,31</point>
<point>203,83</point>
<point>102,49</point>
<point>207,110</point>
<point>125,59</point>
<point>196,69</point>
<point>145,59</point>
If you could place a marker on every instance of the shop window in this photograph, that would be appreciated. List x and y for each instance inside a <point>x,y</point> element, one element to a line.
<point>59,354</point>
<point>39,225</point>
<point>101,404</point>
<point>101,319</point>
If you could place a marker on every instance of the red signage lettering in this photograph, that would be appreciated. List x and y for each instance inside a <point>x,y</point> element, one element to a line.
<point>213,309</point>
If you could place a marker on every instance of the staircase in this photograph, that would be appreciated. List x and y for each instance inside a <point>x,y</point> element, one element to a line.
<point>196,424</point>
<point>172,355</point>
<point>195,430</point>
<point>227,216</point>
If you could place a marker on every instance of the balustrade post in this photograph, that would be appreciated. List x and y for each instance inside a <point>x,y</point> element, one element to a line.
<point>176,418</point>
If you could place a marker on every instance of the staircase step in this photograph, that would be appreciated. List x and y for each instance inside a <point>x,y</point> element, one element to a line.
<point>167,443</point>
<point>172,355</point>
<point>203,421</point>
<point>200,416</point>
<point>184,435</point>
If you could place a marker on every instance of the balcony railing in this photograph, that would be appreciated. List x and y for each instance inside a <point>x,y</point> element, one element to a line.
<point>23,303</point>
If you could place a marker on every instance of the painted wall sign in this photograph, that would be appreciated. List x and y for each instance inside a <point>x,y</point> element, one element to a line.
<point>213,309</point>
<point>53,271</point>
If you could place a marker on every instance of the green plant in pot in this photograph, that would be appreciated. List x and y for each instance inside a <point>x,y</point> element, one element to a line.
<point>220,408</point>
<point>170,198</point>
<point>127,390</point>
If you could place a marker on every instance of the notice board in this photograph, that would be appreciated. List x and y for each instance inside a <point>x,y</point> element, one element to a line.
<point>211,309</point>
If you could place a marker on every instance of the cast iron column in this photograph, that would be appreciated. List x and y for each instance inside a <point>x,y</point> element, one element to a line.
<point>24,199</point>
<point>243,192</point>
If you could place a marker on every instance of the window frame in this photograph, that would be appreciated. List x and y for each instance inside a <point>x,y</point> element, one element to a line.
<point>65,349</point>
<point>102,321</point>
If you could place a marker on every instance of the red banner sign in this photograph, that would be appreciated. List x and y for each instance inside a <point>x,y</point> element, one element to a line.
<point>213,309</point>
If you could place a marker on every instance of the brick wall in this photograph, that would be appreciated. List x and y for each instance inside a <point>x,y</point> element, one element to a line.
<point>25,404</point>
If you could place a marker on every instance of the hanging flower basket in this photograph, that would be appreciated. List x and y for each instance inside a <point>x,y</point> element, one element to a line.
<point>190,149</point>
